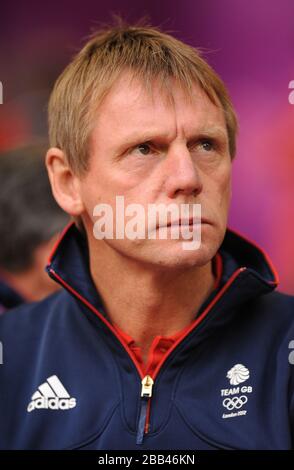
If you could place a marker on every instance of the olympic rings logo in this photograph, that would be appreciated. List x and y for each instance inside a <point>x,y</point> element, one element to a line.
<point>235,402</point>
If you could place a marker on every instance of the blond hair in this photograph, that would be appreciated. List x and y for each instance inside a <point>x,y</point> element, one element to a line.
<point>149,54</point>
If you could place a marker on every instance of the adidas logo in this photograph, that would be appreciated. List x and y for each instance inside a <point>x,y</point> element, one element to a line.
<point>51,395</point>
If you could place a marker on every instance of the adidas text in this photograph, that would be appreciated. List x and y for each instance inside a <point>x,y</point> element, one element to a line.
<point>52,403</point>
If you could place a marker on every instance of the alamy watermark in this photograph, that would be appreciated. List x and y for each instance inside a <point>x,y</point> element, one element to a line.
<point>291,94</point>
<point>1,93</point>
<point>291,354</point>
<point>157,221</point>
<point>1,353</point>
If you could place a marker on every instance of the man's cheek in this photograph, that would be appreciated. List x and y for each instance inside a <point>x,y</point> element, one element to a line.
<point>226,188</point>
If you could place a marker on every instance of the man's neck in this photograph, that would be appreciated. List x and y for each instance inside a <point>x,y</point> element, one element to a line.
<point>146,302</point>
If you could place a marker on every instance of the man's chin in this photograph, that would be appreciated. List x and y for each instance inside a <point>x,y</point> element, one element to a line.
<point>173,255</point>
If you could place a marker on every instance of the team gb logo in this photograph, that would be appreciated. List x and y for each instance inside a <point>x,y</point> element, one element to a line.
<point>238,374</point>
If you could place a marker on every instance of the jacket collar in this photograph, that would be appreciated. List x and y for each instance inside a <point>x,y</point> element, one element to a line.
<point>241,258</point>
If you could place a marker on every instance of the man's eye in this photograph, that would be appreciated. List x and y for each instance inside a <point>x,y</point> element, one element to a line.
<point>144,149</point>
<point>207,145</point>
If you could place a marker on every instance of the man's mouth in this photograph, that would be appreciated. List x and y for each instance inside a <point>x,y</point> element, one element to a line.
<point>184,222</point>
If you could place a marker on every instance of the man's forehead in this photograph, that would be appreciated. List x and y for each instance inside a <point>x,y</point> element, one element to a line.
<point>132,92</point>
<point>132,110</point>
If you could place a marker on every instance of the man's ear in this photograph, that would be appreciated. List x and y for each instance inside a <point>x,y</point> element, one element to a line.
<point>64,183</point>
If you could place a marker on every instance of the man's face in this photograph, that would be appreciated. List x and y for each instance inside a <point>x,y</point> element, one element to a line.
<point>154,150</point>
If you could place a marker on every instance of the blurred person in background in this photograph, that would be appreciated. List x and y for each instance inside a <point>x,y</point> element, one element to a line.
<point>30,220</point>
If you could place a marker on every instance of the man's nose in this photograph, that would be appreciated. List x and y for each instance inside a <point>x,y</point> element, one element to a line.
<point>181,173</point>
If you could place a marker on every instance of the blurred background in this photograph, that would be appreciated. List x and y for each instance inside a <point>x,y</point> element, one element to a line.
<point>250,44</point>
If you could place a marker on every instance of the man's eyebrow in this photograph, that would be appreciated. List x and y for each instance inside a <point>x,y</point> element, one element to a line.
<point>211,131</point>
<point>154,135</point>
<point>137,138</point>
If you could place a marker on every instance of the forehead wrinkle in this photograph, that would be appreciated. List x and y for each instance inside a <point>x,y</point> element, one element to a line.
<point>145,125</point>
<point>192,98</point>
<point>169,98</point>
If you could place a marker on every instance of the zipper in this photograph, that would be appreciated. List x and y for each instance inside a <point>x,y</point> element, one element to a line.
<point>147,381</point>
<point>146,394</point>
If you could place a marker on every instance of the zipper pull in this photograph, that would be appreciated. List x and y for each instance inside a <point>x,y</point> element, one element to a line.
<point>147,383</point>
<point>146,394</point>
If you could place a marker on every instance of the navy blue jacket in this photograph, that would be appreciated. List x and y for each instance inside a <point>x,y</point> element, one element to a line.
<point>68,382</point>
